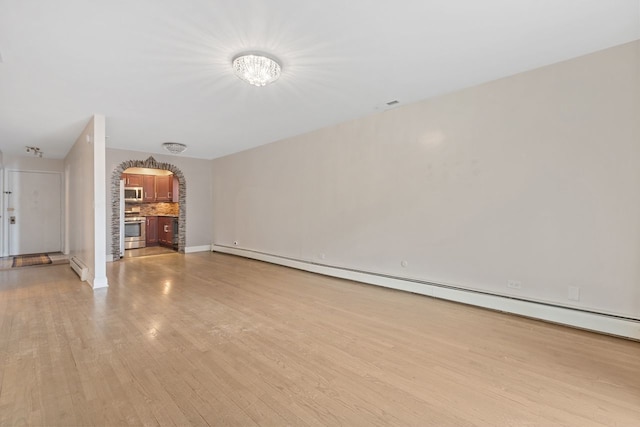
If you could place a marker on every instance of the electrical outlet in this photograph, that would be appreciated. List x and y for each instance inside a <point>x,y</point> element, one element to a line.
<point>574,293</point>
<point>514,284</point>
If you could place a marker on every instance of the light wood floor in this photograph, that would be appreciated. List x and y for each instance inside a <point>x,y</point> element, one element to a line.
<point>213,339</point>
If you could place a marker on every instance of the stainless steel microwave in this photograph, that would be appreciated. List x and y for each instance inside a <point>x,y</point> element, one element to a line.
<point>133,194</point>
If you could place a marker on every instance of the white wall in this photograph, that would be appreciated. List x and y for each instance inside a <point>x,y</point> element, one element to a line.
<point>197,173</point>
<point>85,200</point>
<point>532,178</point>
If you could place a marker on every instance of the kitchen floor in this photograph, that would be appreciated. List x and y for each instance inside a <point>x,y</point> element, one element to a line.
<point>153,250</point>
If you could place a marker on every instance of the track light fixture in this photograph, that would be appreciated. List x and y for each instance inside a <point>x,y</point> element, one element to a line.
<point>35,150</point>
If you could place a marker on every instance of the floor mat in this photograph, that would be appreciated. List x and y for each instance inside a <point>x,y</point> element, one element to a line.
<point>29,260</point>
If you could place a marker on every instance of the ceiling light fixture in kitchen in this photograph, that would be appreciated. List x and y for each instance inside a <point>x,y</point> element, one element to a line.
<point>256,69</point>
<point>174,147</point>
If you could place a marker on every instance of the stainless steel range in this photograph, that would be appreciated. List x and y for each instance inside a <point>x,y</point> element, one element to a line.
<point>135,235</point>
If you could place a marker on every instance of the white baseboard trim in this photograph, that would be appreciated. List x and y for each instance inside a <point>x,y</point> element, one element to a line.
<point>192,249</point>
<point>109,257</point>
<point>96,283</point>
<point>597,322</point>
<point>100,283</point>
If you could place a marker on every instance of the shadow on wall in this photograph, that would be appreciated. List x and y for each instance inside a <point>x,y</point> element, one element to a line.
<point>150,163</point>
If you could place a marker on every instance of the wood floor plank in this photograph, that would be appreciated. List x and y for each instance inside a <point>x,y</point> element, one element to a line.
<point>212,339</point>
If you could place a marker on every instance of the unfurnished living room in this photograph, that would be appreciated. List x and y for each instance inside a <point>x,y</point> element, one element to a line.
<point>271,213</point>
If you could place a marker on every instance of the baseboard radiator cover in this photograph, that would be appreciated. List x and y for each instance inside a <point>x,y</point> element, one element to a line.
<point>582,319</point>
<point>78,266</point>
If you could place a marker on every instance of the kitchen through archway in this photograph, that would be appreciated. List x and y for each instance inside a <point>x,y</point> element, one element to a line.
<point>155,205</point>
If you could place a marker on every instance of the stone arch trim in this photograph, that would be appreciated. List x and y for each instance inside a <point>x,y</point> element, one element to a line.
<point>150,163</point>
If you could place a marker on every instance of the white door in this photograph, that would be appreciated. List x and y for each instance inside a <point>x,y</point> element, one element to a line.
<point>34,212</point>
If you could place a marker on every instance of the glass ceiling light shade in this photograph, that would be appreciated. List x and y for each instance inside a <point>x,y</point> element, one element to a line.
<point>256,69</point>
<point>174,147</point>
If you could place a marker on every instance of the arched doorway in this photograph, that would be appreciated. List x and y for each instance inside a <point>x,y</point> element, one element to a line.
<point>150,163</point>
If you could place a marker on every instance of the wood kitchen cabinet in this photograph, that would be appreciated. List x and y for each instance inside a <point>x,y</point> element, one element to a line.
<point>132,180</point>
<point>155,188</point>
<point>152,231</point>
<point>164,188</point>
<point>165,231</point>
<point>149,188</point>
<point>159,231</point>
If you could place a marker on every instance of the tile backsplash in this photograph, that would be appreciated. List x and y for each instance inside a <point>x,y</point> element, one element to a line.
<point>155,209</point>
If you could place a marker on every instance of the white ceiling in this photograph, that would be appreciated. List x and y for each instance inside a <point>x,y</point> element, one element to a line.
<point>160,70</point>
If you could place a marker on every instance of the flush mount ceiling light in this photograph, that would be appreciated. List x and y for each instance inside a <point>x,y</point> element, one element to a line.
<point>256,69</point>
<point>174,147</point>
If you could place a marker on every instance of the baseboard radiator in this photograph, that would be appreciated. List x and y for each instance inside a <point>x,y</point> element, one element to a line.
<point>78,266</point>
<point>600,322</point>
